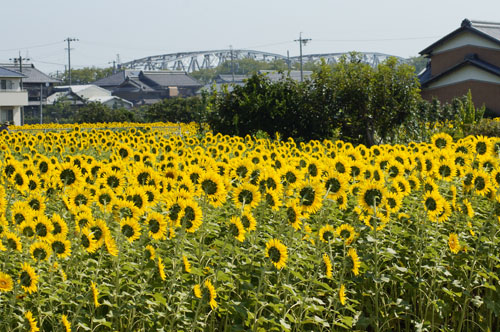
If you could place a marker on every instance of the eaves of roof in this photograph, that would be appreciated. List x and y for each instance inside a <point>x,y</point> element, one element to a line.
<point>465,26</point>
<point>472,60</point>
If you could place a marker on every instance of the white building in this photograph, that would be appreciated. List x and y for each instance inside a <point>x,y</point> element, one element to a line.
<point>12,96</point>
<point>82,94</point>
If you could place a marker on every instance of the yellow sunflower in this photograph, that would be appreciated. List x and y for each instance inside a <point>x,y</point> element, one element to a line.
<point>161,269</point>
<point>246,195</point>
<point>371,195</point>
<point>95,294</point>
<point>248,221</point>
<point>190,215</point>
<point>212,293</point>
<point>6,283</point>
<point>187,264</point>
<point>346,232</point>
<point>433,204</point>
<point>342,296</point>
<point>28,278</point>
<point>328,266</point>
<point>277,253</point>
<point>88,240</point>
<point>61,246</point>
<point>454,243</point>
<point>40,251</point>
<point>31,321</point>
<point>310,196</point>
<point>236,229</point>
<point>197,291</point>
<point>356,263</point>
<point>66,323</point>
<point>130,228</point>
<point>156,225</point>
<point>12,241</point>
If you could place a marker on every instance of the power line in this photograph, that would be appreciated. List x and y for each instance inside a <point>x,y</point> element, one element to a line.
<point>28,47</point>
<point>373,40</point>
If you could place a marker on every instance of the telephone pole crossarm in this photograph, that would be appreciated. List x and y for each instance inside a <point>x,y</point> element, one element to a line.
<point>302,41</point>
<point>69,40</point>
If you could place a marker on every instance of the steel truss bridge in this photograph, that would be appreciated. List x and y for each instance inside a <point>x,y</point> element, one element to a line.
<point>193,61</point>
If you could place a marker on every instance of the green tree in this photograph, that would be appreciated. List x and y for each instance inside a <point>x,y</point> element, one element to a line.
<point>176,110</point>
<point>85,75</point>
<point>419,62</point>
<point>95,112</point>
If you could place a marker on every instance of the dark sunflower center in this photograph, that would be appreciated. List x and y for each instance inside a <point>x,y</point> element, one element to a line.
<point>340,167</point>
<point>143,178</point>
<point>242,171</point>
<point>85,241</point>
<point>113,181</point>
<point>372,197</point>
<point>233,229</point>
<point>313,170</point>
<point>209,187</point>
<point>19,218</point>
<point>444,171</point>
<point>245,221</point>
<point>83,222</point>
<point>441,143</point>
<point>128,231</point>
<point>40,253</point>
<point>123,153</point>
<point>333,185</point>
<point>41,229</point>
<point>57,228</point>
<point>481,148</point>
<point>274,254</point>
<point>104,199</point>
<point>97,231</point>
<point>18,179</point>
<point>430,204</point>
<point>136,199</point>
<point>58,247</point>
<point>174,212</point>
<point>345,234</point>
<point>81,199</point>
<point>154,226</point>
<point>25,279</point>
<point>245,196</point>
<point>291,215</point>
<point>12,244</point>
<point>479,183</point>
<point>194,177</point>
<point>28,231</point>
<point>43,167</point>
<point>68,177</point>
<point>34,204</point>
<point>307,196</point>
<point>327,236</point>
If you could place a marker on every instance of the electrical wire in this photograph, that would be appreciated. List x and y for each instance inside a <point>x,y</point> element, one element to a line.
<point>29,47</point>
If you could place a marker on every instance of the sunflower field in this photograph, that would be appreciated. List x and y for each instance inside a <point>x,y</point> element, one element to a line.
<point>144,228</point>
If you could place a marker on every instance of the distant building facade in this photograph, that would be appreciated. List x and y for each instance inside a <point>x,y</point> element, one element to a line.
<point>149,87</point>
<point>467,58</point>
<point>12,96</point>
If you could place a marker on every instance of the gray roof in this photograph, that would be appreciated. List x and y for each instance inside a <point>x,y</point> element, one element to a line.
<point>117,78</point>
<point>221,78</point>
<point>4,72</point>
<point>488,30</point>
<point>31,74</point>
<point>166,78</point>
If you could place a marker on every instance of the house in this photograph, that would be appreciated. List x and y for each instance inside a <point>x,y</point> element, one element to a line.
<point>36,83</point>
<point>12,96</point>
<point>467,58</point>
<point>79,95</point>
<point>149,87</point>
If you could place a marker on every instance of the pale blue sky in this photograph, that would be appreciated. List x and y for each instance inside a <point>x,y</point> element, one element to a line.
<point>136,29</point>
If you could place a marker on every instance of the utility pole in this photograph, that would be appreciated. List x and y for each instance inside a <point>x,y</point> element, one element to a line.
<point>232,62</point>
<point>302,41</point>
<point>288,60</point>
<point>69,40</point>
<point>114,66</point>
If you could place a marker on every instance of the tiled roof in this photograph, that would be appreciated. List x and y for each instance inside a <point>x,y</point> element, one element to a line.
<point>31,74</point>
<point>488,30</point>
<point>275,75</point>
<point>117,78</point>
<point>168,78</point>
<point>469,60</point>
<point>4,72</point>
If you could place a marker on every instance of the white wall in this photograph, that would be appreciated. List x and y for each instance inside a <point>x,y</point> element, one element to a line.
<point>463,39</point>
<point>467,72</point>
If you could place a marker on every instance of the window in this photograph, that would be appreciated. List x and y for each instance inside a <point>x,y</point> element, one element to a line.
<point>6,85</point>
<point>7,115</point>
